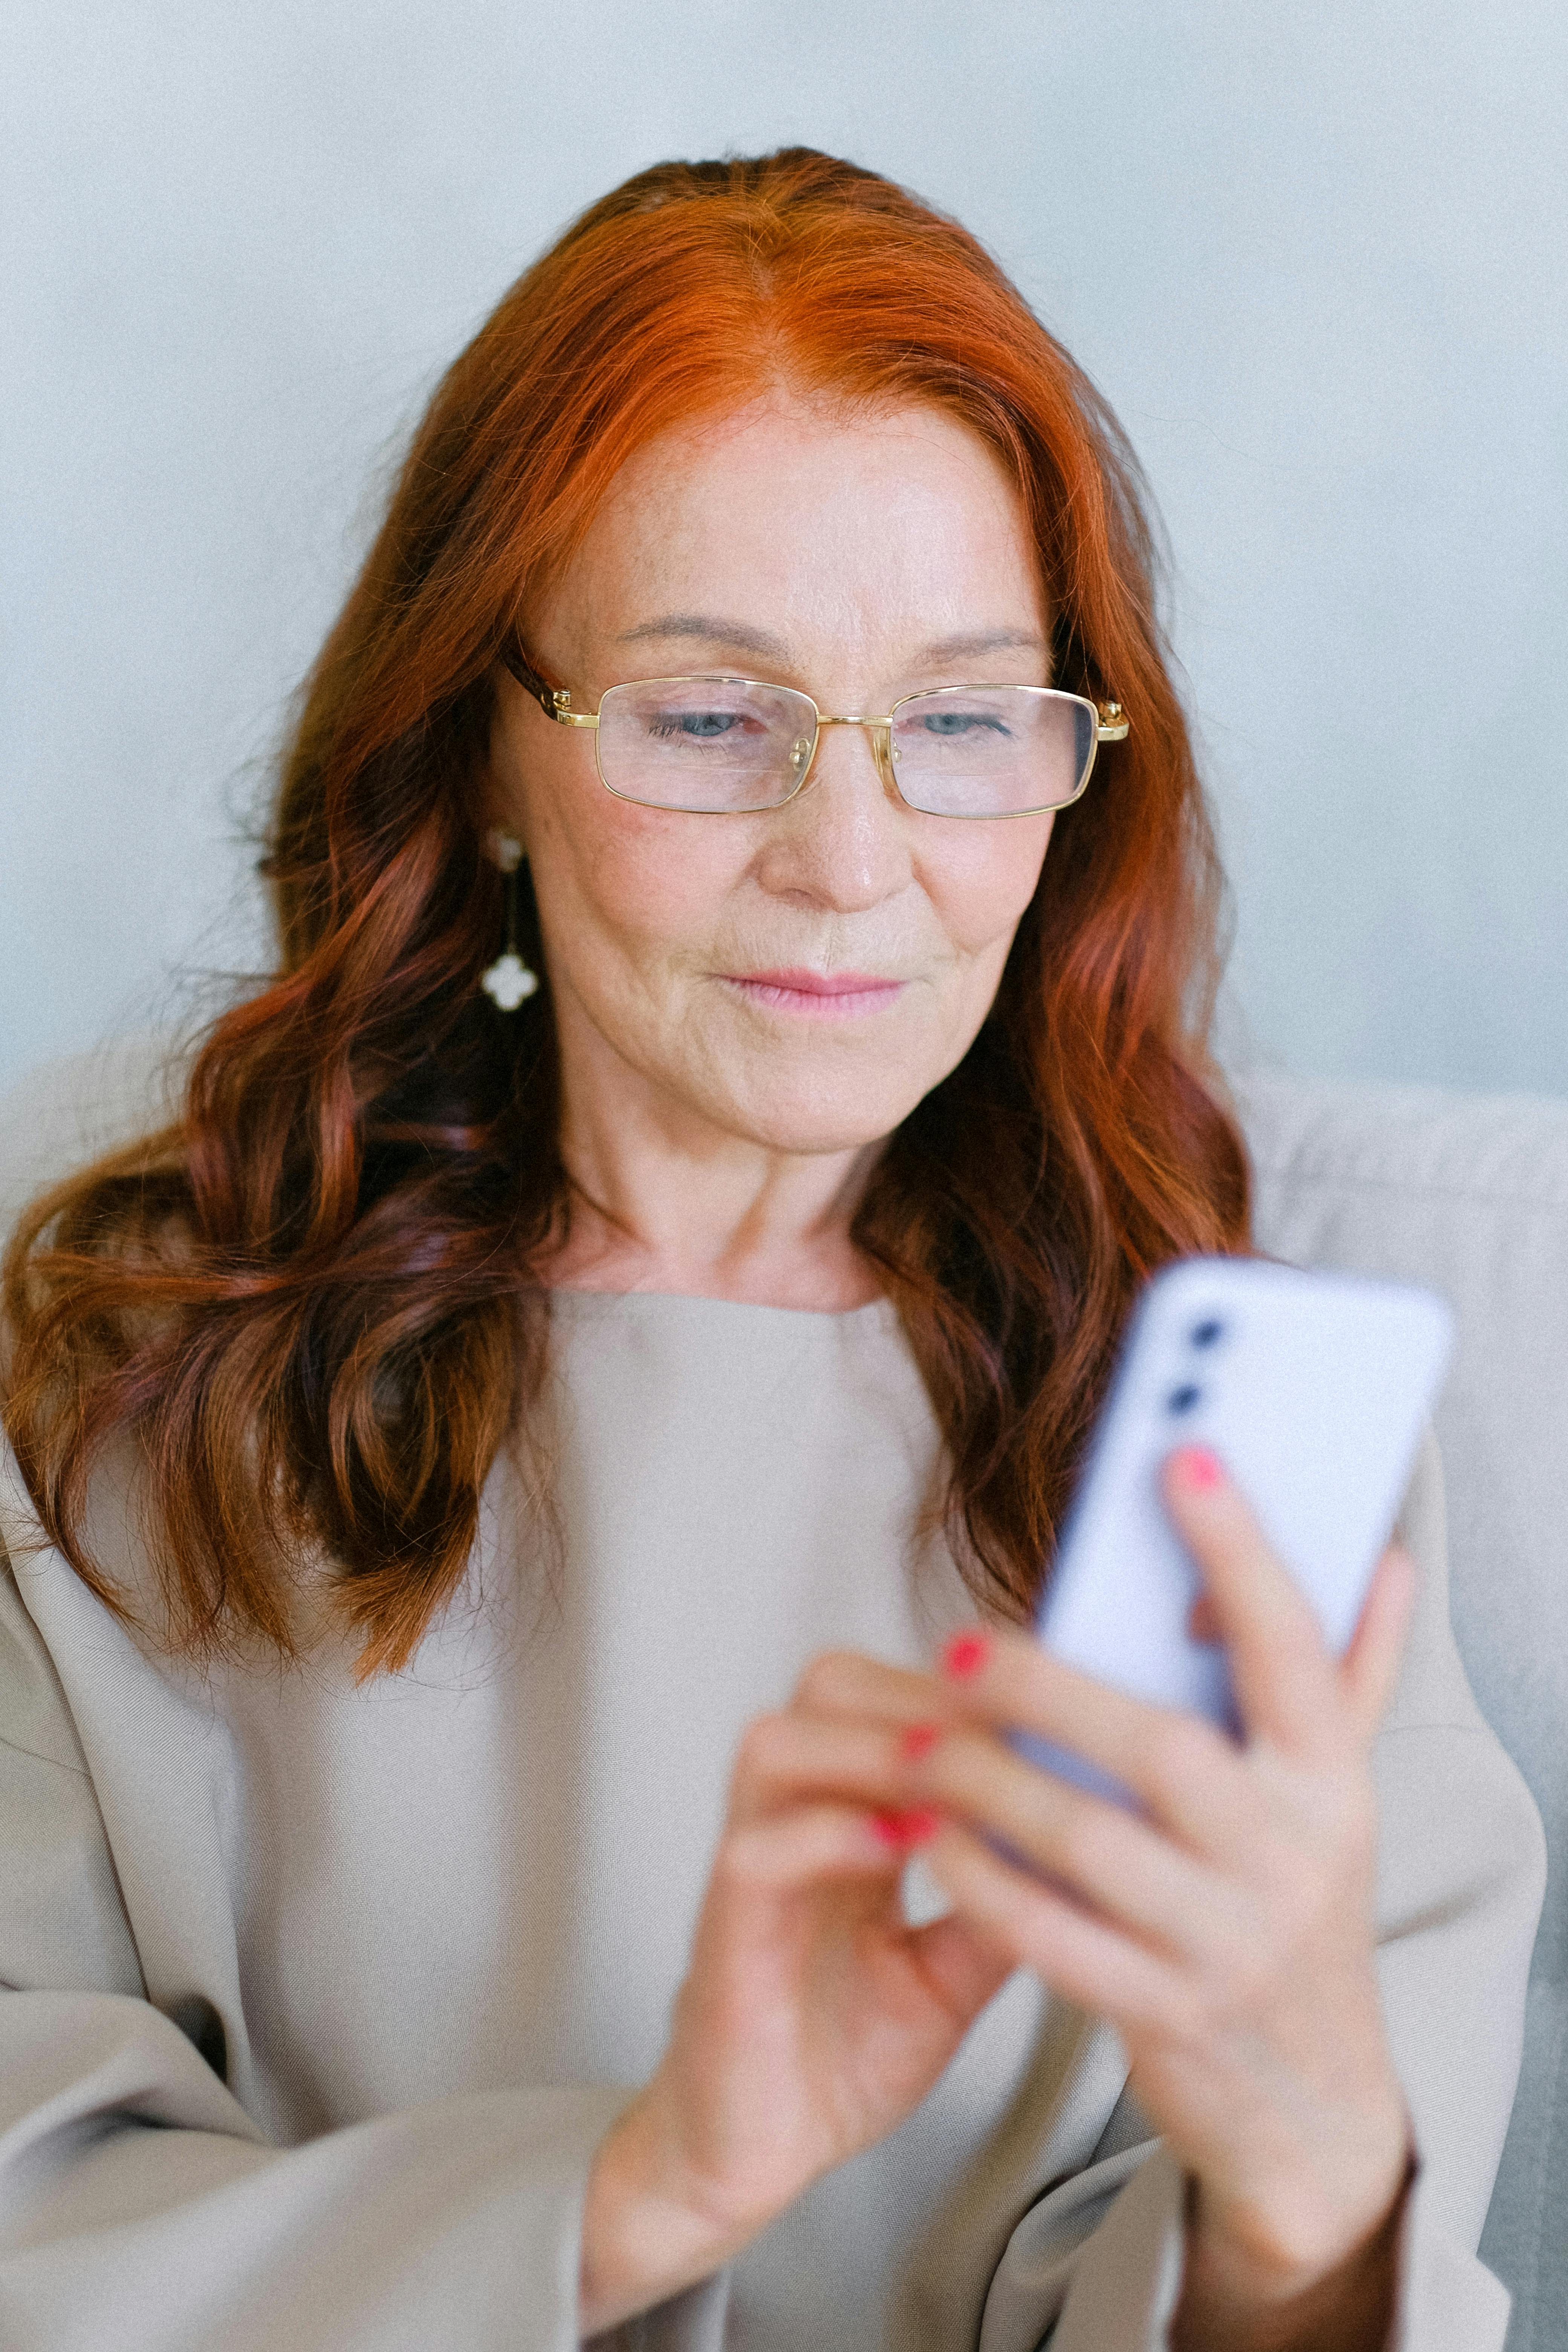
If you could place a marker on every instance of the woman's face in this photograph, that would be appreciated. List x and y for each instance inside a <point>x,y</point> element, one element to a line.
<point>858,558</point>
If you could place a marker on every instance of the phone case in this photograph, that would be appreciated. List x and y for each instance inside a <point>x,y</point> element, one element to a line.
<point>1313,1389</point>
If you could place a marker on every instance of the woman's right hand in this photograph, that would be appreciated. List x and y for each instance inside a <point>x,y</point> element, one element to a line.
<point>812,2019</point>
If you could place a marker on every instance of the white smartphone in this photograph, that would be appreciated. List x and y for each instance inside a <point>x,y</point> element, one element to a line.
<point>1313,1389</point>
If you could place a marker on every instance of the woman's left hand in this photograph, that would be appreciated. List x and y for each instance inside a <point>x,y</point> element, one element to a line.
<point>1226,1930</point>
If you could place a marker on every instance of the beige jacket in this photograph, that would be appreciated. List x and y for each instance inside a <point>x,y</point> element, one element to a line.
<point>325,1995</point>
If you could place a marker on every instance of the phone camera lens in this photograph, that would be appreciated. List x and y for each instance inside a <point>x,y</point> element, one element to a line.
<point>1207,1333</point>
<point>1183,1399</point>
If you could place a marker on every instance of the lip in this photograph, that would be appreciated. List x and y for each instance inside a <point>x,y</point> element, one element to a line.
<point>818,995</point>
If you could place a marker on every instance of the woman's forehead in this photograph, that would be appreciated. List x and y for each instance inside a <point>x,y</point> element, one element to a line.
<point>774,450</point>
<point>793,519</point>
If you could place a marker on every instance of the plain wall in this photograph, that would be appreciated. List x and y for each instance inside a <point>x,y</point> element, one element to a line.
<point>1316,258</point>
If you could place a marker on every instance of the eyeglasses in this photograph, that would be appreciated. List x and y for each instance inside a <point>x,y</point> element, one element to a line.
<point>721,746</point>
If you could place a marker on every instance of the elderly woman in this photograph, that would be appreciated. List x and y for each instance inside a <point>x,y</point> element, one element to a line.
<point>525,1499</point>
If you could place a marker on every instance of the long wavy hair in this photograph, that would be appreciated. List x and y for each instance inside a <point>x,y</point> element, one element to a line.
<point>309,1304</point>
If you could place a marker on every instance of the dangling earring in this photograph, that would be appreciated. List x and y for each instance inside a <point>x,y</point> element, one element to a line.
<point>509,979</point>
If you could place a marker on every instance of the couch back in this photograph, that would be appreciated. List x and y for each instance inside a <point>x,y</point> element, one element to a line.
<point>1469,1195</point>
<point>1466,1194</point>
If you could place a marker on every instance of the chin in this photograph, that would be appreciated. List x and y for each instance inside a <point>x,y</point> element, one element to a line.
<point>842,1121</point>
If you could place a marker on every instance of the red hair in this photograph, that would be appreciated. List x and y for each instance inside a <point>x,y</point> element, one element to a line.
<point>309,1301</point>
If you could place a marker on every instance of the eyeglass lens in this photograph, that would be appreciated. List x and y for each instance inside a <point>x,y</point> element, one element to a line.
<point>721,746</point>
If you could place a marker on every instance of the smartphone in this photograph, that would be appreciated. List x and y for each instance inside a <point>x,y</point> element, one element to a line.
<point>1313,1389</point>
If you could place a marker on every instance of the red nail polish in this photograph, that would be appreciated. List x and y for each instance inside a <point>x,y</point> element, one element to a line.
<point>964,1655</point>
<point>918,1740</point>
<point>912,1828</point>
<point>1199,1467</point>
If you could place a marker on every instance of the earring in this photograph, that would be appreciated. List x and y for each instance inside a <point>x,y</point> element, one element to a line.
<point>509,980</point>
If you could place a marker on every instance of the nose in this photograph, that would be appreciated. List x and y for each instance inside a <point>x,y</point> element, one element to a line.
<point>842,843</point>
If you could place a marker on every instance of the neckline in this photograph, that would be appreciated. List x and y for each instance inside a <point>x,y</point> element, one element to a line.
<point>579,1299</point>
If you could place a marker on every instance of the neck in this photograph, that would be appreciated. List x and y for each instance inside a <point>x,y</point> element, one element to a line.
<point>664,1199</point>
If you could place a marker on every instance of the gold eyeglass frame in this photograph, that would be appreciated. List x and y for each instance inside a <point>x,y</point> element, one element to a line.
<point>1111,725</point>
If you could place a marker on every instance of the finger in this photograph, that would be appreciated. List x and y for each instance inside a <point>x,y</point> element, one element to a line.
<point>1286,1682</point>
<point>1188,1776</point>
<point>815,1843</point>
<point>1115,1863</point>
<point>1370,1667</point>
<point>963,1964</point>
<point>786,1759</point>
<point>1082,1959</point>
<point>1111,1858</point>
<point>1115,1860</point>
<point>844,1683</point>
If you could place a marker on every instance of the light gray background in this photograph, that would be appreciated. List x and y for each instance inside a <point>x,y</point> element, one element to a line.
<point>1316,256</point>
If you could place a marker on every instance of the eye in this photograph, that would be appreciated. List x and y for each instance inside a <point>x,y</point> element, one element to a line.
<point>960,723</point>
<point>700,726</point>
<point>700,723</point>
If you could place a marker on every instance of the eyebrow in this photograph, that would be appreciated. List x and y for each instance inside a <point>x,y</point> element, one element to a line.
<point>713,630</point>
<point>984,641</point>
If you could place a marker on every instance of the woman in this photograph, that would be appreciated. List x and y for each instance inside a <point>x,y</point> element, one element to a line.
<point>522,1385</point>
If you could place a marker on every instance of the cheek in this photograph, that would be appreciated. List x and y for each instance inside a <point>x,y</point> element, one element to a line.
<point>980,881</point>
<point>639,881</point>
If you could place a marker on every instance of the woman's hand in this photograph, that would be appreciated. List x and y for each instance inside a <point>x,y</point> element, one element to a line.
<point>1226,1930</point>
<point>812,2017</point>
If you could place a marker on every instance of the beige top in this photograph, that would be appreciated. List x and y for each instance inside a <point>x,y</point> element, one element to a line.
<point>382,1963</point>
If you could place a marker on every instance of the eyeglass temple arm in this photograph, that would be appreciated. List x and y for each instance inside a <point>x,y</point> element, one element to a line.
<point>1114,726</point>
<point>553,700</point>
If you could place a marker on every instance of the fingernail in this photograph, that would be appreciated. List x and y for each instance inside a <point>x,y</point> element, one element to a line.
<point>964,1655</point>
<point>912,1828</point>
<point>1196,1467</point>
<point>918,1740</point>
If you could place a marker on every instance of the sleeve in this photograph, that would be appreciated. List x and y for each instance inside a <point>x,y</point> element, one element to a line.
<point>1096,2264</point>
<point>141,2208</point>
